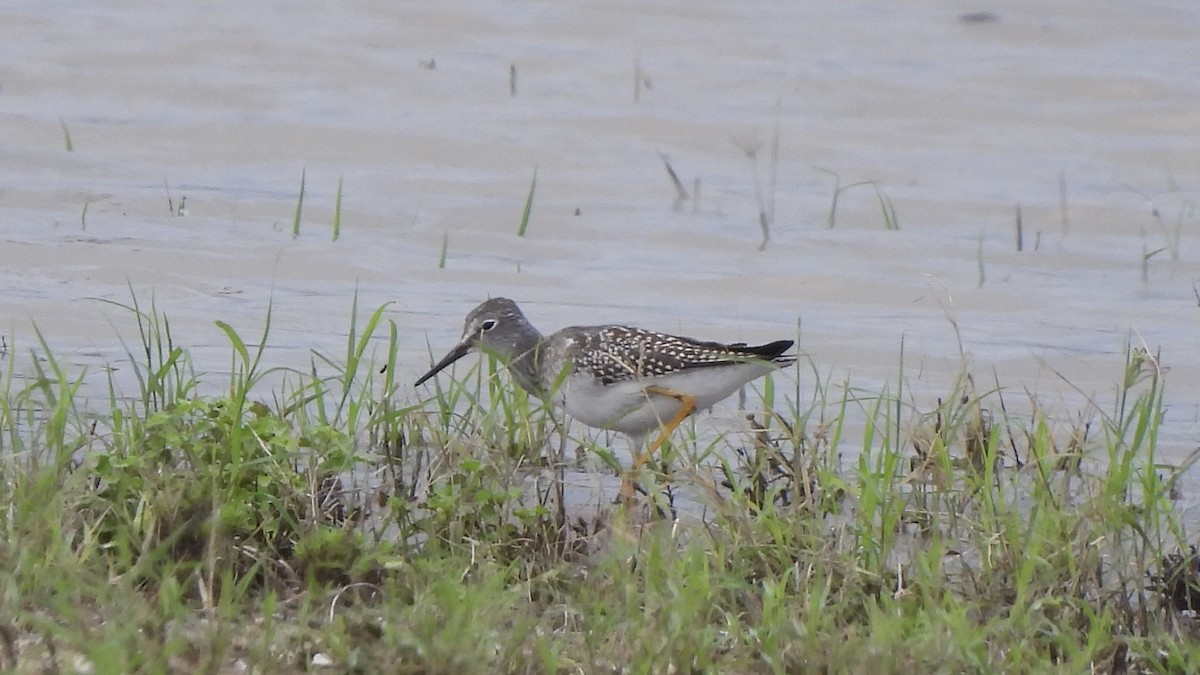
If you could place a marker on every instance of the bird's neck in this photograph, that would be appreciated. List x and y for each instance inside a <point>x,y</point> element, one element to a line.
<point>525,362</point>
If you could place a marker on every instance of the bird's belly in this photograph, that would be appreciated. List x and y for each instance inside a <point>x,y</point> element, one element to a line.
<point>626,407</point>
<point>621,406</point>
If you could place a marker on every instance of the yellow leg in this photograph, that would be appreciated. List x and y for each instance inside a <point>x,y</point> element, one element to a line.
<point>687,407</point>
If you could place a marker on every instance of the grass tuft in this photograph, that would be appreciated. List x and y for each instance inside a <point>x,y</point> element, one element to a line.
<point>888,210</point>
<point>298,520</point>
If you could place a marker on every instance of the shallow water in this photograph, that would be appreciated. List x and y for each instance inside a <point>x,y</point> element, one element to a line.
<point>409,106</point>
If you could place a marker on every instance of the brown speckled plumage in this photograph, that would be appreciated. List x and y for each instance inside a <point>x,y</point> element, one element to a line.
<point>616,353</point>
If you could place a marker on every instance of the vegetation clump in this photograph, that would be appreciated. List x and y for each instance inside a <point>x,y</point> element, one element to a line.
<point>300,521</point>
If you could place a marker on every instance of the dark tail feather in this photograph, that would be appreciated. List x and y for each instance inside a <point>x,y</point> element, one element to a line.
<point>772,351</point>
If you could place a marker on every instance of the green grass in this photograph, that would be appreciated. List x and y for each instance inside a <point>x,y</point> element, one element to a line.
<point>70,147</point>
<point>521,227</point>
<point>337,211</point>
<point>299,207</point>
<point>333,520</point>
<point>891,221</point>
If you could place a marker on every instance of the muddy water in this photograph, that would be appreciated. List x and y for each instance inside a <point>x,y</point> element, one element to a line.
<point>413,109</point>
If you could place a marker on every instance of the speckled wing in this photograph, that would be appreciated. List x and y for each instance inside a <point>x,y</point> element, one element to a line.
<point>618,353</point>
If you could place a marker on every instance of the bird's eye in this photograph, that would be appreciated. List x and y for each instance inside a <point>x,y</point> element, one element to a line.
<point>488,325</point>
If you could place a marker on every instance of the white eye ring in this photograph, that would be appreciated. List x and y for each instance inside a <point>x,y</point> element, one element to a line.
<point>488,325</point>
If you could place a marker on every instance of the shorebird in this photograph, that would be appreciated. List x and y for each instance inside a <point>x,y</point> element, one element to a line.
<point>615,377</point>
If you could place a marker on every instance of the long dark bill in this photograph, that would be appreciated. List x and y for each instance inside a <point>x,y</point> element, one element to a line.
<point>455,354</point>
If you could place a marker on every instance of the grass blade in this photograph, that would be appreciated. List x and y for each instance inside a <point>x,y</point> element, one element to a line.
<point>299,207</point>
<point>528,205</point>
<point>337,211</point>
<point>236,340</point>
<point>66,135</point>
